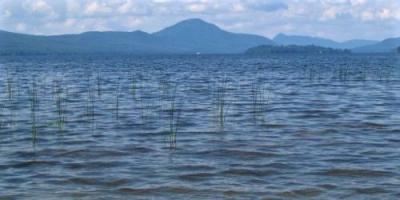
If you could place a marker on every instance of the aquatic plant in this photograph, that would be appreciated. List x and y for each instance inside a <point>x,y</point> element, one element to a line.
<point>11,101</point>
<point>34,105</point>
<point>117,93</point>
<point>221,102</point>
<point>59,102</point>
<point>98,81</point>
<point>133,86</point>
<point>174,116</point>
<point>90,103</point>
<point>9,86</point>
<point>2,111</point>
<point>259,102</point>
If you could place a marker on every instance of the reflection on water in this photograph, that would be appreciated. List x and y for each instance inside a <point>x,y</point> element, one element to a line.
<point>204,127</point>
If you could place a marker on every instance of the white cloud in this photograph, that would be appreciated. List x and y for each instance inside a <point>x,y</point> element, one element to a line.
<point>94,8</point>
<point>20,27</point>
<point>197,7</point>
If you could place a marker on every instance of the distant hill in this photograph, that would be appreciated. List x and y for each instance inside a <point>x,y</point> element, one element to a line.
<point>89,42</point>
<point>293,49</point>
<point>283,39</point>
<point>196,35</point>
<point>386,46</point>
<point>189,36</point>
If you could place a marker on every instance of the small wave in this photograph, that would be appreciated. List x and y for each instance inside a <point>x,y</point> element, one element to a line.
<point>34,163</point>
<point>93,165</point>
<point>83,181</point>
<point>355,173</point>
<point>159,190</point>
<point>117,182</point>
<point>370,190</point>
<point>93,153</point>
<point>249,172</point>
<point>278,166</point>
<point>135,149</point>
<point>306,192</point>
<point>195,176</point>
<point>193,167</point>
<point>373,125</point>
<point>238,153</point>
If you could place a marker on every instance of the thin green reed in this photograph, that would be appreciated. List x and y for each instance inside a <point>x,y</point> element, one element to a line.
<point>9,86</point>
<point>259,102</point>
<point>221,102</point>
<point>34,106</point>
<point>98,80</point>
<point>174,117</point>
<point>59,101</point>
<point>133,86</point>
<point>90,102</point>
<point>117,93</point>
<point>11,103</point>
<point>1,114</point>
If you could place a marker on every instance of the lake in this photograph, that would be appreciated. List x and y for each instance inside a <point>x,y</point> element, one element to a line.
<point>200,127</point>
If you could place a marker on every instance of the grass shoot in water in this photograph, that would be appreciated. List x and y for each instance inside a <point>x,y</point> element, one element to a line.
<point>174,115</point>
<point>34,106</point>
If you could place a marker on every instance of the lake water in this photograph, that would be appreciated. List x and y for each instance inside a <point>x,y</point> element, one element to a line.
<point>200,127</point>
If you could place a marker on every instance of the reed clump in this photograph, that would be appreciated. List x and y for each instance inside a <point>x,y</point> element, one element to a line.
<point>259,102</point>
<point>34,107</point>
<point>59,97</point>
<point>90,104</point>
<point>174,117</point>
<point>221,101</point>
<point>117,94</point>
<point>99,81</point>
<point>9,86</point>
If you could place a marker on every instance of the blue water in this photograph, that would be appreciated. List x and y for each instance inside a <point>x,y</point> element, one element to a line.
<point>200,127</point>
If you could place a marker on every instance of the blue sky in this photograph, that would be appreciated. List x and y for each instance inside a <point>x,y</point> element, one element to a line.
<point>335,19</point>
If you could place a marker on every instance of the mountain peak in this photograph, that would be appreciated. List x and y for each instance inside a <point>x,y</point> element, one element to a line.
<point>194,25</point>
<point>194,22</point>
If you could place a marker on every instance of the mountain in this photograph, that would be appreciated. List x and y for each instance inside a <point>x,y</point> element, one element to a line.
<point>188,36</point>
<point>385,46</point>
<point>293,49</point>
<point>196,35</point>
<point>89,42</point>
<point>283,39</point>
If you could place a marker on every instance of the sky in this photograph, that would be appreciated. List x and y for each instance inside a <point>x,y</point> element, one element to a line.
<point>335,19</point>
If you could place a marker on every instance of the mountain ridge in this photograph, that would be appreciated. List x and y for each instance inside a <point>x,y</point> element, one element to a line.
<point>284,39</point>
<point>186,37</point>
<point>190,36</point>
<point>385,46</point>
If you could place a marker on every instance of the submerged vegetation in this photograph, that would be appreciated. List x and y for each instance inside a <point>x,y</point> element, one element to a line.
<point>150,102</point>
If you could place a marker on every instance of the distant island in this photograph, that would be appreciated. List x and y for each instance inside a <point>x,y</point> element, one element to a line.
<point>191,36</point>
<point>294,49</point>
